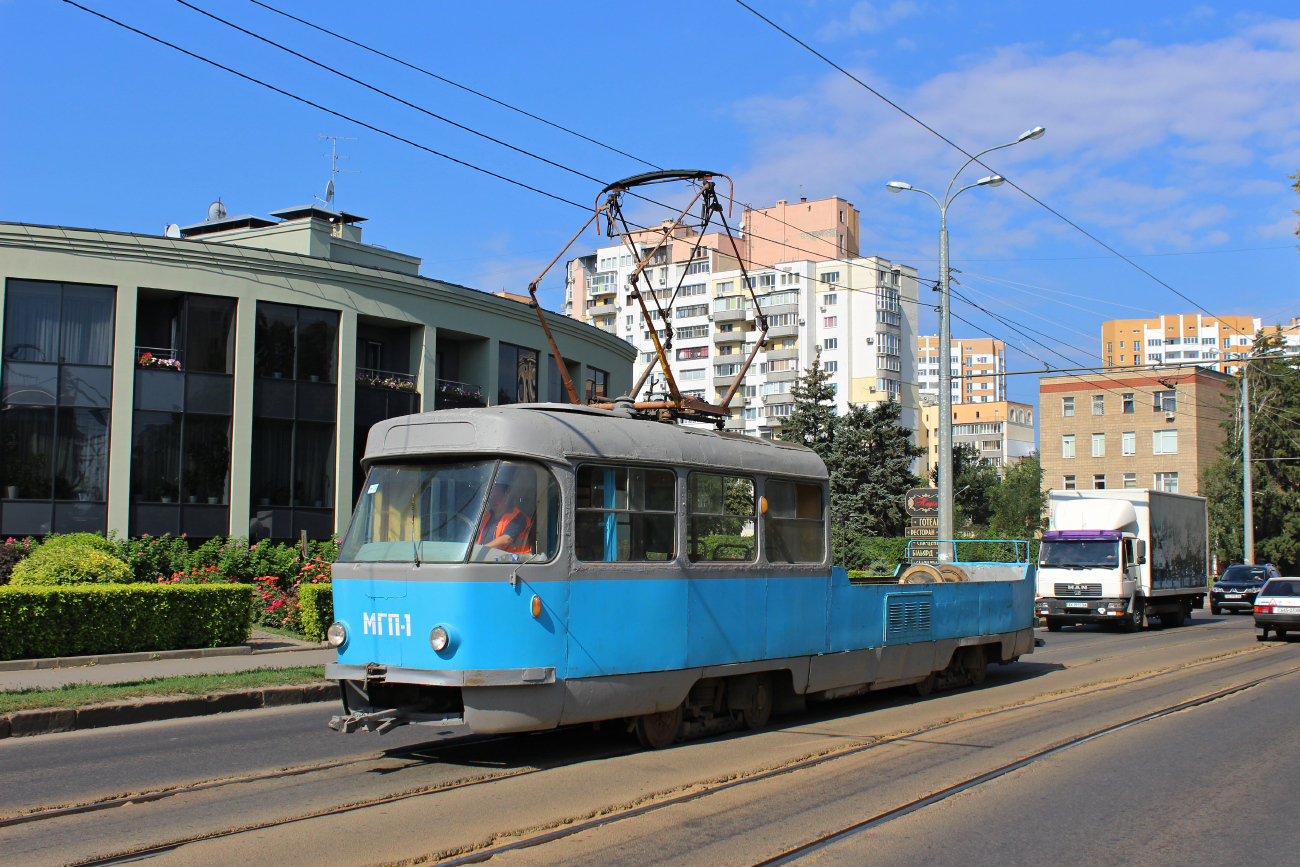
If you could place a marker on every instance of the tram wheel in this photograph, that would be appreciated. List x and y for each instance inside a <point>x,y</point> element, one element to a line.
<point>757,716</point>
<point>923,688</point>
<point>657,731</point>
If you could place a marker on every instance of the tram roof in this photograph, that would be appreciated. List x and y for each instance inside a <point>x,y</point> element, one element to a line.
<point>564,433</point>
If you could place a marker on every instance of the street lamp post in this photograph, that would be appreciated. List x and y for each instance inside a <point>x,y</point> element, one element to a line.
<point>945,330</point>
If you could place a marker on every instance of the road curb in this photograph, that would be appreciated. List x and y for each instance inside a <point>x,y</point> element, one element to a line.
<point>148,656</point>
<point>26,723</point>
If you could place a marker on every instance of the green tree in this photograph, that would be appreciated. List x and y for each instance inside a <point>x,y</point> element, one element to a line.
<point>973,482</point>
<point>812,422</point>
<point>1275,468</point>
<point>870,466</point>
<point>1018,504</point>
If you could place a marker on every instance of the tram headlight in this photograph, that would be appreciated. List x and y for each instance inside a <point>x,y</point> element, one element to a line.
<point>336,634</point>
<point>439,639</point>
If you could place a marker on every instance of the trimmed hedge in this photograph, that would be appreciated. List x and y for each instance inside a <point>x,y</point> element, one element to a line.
<point>81,541</point>
<point>38,622</point>
<point>71,563</point>
<point>316,607</point>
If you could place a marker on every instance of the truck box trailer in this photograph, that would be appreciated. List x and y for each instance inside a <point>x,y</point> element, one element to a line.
<point>1123,556</point>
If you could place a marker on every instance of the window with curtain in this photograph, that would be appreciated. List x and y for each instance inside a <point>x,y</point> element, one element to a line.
<point>55,395</point>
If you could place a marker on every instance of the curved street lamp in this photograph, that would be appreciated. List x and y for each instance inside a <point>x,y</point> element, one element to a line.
<point>945,328</point>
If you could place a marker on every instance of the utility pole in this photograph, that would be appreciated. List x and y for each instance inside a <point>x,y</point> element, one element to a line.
<point>1247,484</point>
<point>946,530</point>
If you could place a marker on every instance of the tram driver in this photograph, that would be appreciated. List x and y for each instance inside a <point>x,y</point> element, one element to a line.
<point>506,525</point>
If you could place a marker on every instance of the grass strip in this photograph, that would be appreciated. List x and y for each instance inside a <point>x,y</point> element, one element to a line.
<point>79,694</point>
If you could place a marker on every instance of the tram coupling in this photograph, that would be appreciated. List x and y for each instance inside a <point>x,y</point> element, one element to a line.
<point>381,721</point>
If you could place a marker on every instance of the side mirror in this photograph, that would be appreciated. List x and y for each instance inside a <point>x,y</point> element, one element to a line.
<point>1139,551</point>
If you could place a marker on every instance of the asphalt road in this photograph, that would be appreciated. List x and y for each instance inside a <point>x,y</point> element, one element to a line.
<point>1144,794</point>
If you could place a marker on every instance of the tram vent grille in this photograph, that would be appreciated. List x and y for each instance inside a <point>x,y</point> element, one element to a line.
<point>908,616</point>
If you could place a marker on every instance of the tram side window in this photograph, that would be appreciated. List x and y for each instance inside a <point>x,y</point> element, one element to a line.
<point>625,514</point>
<point>721,524</point>
<point>794,523</point>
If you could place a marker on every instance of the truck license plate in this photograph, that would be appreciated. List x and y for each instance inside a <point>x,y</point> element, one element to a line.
<point>1286,610</point>
<point>1076,605</point>
<point>1233,595</point>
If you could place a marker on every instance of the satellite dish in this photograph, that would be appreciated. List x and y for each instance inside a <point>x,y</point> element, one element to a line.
<point>329,191</point>
<point>172,231</point>
<point>216,211</point>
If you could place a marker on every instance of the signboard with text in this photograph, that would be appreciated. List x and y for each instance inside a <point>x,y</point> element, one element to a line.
<point>922,531</point>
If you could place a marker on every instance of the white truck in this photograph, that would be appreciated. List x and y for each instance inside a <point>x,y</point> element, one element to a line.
<point>1124,557</point>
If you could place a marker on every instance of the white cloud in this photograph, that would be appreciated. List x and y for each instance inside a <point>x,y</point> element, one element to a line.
<point>1146,139</point>
<point>864,17</point>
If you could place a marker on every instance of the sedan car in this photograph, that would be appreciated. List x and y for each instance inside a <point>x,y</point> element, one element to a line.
<point>1236,589</point>
<point>1277,607</point>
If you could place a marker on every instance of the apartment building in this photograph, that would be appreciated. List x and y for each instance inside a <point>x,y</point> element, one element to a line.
<point>820,230</point>
<point>857,313</point>
<point>978,368</point>
<point>1216,342</point>
<point>1132,429</point>
<point>1001,433</point>
<point>223,379</point>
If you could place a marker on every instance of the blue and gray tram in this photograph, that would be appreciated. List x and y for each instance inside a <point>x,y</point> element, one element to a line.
<point>523,567</point>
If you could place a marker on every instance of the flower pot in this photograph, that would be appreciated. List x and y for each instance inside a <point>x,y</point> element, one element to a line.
<point>11,492</point>
<point>213,501</point>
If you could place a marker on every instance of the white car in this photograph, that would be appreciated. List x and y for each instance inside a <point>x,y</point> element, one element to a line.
<point>1277,607</point>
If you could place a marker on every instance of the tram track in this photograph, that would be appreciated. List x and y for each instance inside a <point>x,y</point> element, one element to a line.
<point>704,789</point>
<point>148,796</point>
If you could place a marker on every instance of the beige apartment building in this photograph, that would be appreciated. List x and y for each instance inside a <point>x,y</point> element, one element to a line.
<point>1001,433</point>
<point>1216,342</point>
<point>1139,429</point>
<point>821,230</point>
<point>978,368</point>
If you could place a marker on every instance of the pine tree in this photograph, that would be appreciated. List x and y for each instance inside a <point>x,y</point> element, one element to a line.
<point>871,471</point>
<point>812,421</point>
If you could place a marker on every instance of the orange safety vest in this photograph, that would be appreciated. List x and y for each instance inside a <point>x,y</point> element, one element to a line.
<point>520,545</point>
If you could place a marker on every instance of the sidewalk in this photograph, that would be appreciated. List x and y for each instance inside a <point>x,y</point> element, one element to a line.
<point>269,651</point>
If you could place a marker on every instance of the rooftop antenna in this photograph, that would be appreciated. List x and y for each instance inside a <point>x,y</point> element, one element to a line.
<point>334,158</point>
<point>216,211</point>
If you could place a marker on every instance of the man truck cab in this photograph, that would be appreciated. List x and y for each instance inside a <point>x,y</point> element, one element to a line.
<point>1122,557</point>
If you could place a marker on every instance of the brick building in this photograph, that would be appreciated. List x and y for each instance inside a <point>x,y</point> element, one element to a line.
<point>1139,429</point>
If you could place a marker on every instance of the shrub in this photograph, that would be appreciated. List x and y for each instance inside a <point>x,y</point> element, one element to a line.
<point>91,541</point>
<point>71,621</point>
<point>70,564</point>
<point>316,609</point>
<point>197,575</point>
<point>12,552</point>
<point>152,557</point>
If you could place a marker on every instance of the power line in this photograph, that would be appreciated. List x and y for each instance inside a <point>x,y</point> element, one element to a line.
<point>320,107</point>
<point>964,152</point>
<point>470,90</point>
<point>391,96</point>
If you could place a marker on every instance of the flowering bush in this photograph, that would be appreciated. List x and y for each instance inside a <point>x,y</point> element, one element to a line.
<point>148,359</point>
<point>198,575</point>
<point>13,552</point>
<point>375,380</point>
<point>154,557</point>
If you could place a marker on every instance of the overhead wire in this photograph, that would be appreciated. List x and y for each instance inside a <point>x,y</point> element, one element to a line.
<point>455,84</point>
<point>973,158</point>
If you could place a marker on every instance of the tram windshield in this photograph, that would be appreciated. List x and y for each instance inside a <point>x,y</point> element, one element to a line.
<point>453,511</point>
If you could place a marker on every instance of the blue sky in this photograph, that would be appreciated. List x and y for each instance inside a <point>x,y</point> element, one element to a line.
<point>1171,130</point>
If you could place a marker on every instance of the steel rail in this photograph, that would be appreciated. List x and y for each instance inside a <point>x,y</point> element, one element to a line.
<point>569,830</point>
<point>484,854</point>
<point>799,852</point>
